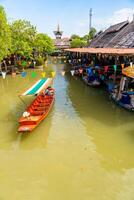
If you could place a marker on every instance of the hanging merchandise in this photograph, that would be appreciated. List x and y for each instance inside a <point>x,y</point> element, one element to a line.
<point>3,75</point>
<point>72,72</point>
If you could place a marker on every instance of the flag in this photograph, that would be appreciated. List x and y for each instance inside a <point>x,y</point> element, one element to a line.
<point>72,72</point>
<point>14,74</point>
<point>34,74</point>
<point>80,71</point>
<point>122,65</point>
<point>53,74</point>
<point>3,75</point>
<point>63,73</point>
<point>43,74</point>
<point>23,74</point>
<point>115,67</point>
<point>106,69</point>
<point>131,64</point>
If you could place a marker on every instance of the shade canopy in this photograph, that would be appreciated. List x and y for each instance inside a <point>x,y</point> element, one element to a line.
<point>110,51</point>
<point>38,87</point>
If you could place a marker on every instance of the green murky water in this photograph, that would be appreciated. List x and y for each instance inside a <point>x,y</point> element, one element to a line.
<point>83,150</point>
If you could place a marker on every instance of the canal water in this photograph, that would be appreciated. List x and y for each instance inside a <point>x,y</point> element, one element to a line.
<point>83,150</point>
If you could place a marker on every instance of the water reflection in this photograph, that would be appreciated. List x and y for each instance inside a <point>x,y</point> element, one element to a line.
<point>83,150</point>
<point>107,124</point>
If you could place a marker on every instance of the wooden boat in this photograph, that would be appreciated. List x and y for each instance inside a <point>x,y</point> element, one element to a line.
<point>123,95</point>
<point>94,83</point>
<point>38,110</point>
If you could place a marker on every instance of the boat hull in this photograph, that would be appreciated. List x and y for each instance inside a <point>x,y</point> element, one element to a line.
<point>38,110</point>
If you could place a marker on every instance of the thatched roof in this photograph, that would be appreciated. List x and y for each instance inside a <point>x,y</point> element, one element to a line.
<point>117,36</point>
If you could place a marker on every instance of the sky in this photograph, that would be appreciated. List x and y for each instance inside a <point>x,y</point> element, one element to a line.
<point>72,15</point>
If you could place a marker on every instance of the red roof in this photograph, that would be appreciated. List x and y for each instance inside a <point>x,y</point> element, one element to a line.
<point>115,51</point>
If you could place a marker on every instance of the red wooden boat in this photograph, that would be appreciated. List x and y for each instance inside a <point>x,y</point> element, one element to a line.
<point>36,112</point>
<point>39,108</point>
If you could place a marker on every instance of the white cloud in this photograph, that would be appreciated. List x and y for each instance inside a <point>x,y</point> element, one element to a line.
<point>122,15</point>
<point>101,23</point>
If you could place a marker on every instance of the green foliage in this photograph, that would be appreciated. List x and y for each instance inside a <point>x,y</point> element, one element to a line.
<point>43,44</point>
<point>74,36</point>
<point>39,61</point>
<point>23,36</point>
<point>92,33</point>
<point>5,36</point>
<point>78,42</point>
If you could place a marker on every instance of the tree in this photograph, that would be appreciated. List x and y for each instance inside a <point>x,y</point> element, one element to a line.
<point>23,36</point>
<point>43,44</point>
<point>5,35</point>
<point>92,33</point>
<point>78,42</point>
<point>74,36</point>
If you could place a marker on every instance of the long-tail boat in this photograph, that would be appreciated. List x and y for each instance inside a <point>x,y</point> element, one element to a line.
<point>40,107</point>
